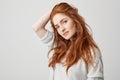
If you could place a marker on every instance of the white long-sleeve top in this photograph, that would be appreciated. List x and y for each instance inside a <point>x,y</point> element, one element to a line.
<point>76,71</point>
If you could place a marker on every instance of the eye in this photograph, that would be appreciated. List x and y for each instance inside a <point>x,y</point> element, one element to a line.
<point>65,21</point>
<point>56,26</point>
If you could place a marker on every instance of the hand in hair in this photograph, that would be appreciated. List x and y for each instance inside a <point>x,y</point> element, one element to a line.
<point>74,7</point>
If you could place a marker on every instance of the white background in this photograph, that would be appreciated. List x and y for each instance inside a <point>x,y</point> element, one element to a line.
<point>24,57</point>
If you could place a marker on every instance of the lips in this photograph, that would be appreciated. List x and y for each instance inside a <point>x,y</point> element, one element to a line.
<point>65,33</point>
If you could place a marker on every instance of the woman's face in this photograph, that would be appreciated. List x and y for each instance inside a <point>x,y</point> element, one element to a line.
<point>64,25</point>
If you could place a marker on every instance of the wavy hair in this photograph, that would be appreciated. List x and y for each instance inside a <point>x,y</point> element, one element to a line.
<point>82,46</point>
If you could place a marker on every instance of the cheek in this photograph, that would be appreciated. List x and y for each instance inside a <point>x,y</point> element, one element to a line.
<point>74,29</point>
<point>73,26</point>
<point>58,31</point>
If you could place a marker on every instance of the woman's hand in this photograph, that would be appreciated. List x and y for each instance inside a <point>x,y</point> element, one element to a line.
<point>74,7</point>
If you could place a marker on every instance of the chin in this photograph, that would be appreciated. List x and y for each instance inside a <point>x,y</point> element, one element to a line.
<point>67,38</point>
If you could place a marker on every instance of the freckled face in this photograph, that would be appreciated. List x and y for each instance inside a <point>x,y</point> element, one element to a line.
<point>64,25</point>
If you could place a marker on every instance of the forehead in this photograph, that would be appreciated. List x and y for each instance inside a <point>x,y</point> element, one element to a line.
<point>58,17</point>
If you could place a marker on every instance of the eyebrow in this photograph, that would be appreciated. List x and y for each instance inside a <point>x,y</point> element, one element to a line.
<point>60,21</point>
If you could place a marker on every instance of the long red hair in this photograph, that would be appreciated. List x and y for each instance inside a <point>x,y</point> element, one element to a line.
<point>82,45</point>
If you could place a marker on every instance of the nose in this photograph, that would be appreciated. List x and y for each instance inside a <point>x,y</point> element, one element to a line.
<point>62,29</point>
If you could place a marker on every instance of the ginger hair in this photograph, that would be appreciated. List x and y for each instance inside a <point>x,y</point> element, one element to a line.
<point>82,45</point>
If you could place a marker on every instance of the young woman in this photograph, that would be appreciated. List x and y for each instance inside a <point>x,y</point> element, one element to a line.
<point>74,53</point>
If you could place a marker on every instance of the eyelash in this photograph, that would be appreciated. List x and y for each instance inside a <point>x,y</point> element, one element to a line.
<point>57,27</point>
<point>65,21</point>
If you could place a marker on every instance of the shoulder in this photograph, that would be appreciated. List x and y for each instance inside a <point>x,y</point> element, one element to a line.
<point>96,53</point>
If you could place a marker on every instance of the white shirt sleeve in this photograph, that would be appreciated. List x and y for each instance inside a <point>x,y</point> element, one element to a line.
<point>96,72</point>
<point>48,38</point>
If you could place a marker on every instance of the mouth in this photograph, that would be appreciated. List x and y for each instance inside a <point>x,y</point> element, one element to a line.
<point>65,33</point>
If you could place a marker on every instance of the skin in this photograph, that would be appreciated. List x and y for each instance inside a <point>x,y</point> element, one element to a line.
<point>39,25</point>
<point>64,25</point>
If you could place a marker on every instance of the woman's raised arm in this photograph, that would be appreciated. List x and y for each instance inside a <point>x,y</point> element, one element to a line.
<point>39,25</point>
